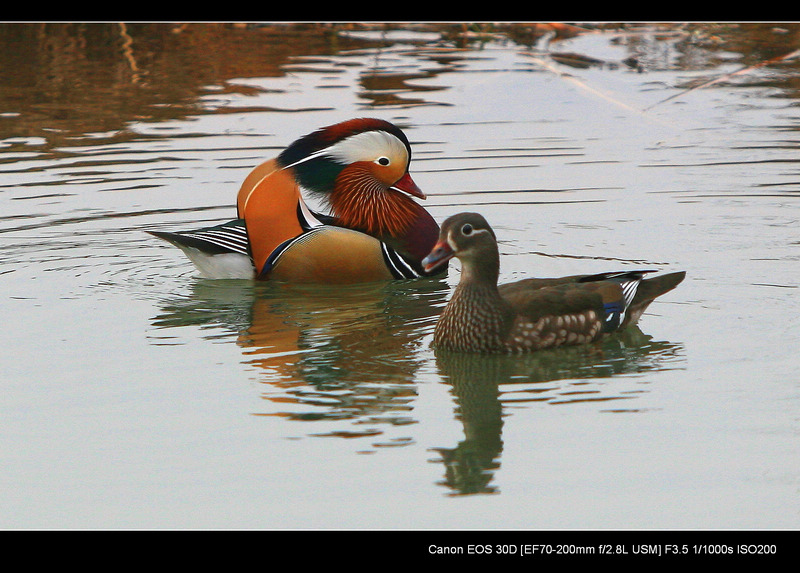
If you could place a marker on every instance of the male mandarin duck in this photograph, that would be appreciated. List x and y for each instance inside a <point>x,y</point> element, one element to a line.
<point>374,230</point>
<point>530,314</point>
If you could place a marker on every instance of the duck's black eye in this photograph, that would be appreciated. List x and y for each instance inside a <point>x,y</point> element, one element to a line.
<point>382,161</point>
<point>466,230</point>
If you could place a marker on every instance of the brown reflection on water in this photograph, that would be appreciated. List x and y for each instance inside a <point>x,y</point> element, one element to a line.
<point>381,88</point>
<point>347,355</point>
<point>350,354</point>
<point>59,81</point>
<point>62,80</point>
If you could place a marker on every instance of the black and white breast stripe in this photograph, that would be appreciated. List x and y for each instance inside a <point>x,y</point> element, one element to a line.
<point>398,266</point>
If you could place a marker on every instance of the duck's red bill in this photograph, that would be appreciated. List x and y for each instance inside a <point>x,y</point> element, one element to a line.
<point>407,185</point>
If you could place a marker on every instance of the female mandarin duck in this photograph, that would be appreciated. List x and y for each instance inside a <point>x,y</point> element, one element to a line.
<point>530,314</point>
<point>374,229</point>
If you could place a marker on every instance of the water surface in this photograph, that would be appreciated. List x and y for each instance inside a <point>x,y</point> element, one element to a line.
<point>138,395</point>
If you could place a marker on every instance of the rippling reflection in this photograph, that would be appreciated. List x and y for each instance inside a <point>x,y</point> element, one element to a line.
<point>354,354</point>
<point>322,354</point>
<point>484,386</point>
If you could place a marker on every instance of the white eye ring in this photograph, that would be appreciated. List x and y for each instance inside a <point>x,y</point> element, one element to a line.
<point>383,160</point>
<point>466,230</point>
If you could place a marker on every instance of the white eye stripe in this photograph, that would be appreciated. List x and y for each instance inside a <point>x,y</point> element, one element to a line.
<point>468,230</point>
<point>363,146</point>
<point>460,230</point>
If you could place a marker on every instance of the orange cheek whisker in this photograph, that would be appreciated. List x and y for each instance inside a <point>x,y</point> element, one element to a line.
<point>362,202</point>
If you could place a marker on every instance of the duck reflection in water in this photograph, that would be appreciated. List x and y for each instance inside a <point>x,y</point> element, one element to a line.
<point>353,354</point>
<point>349,353</point>
<point>484,385</point>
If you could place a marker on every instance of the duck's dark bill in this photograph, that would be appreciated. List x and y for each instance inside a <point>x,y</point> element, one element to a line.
<point>440,254</point>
